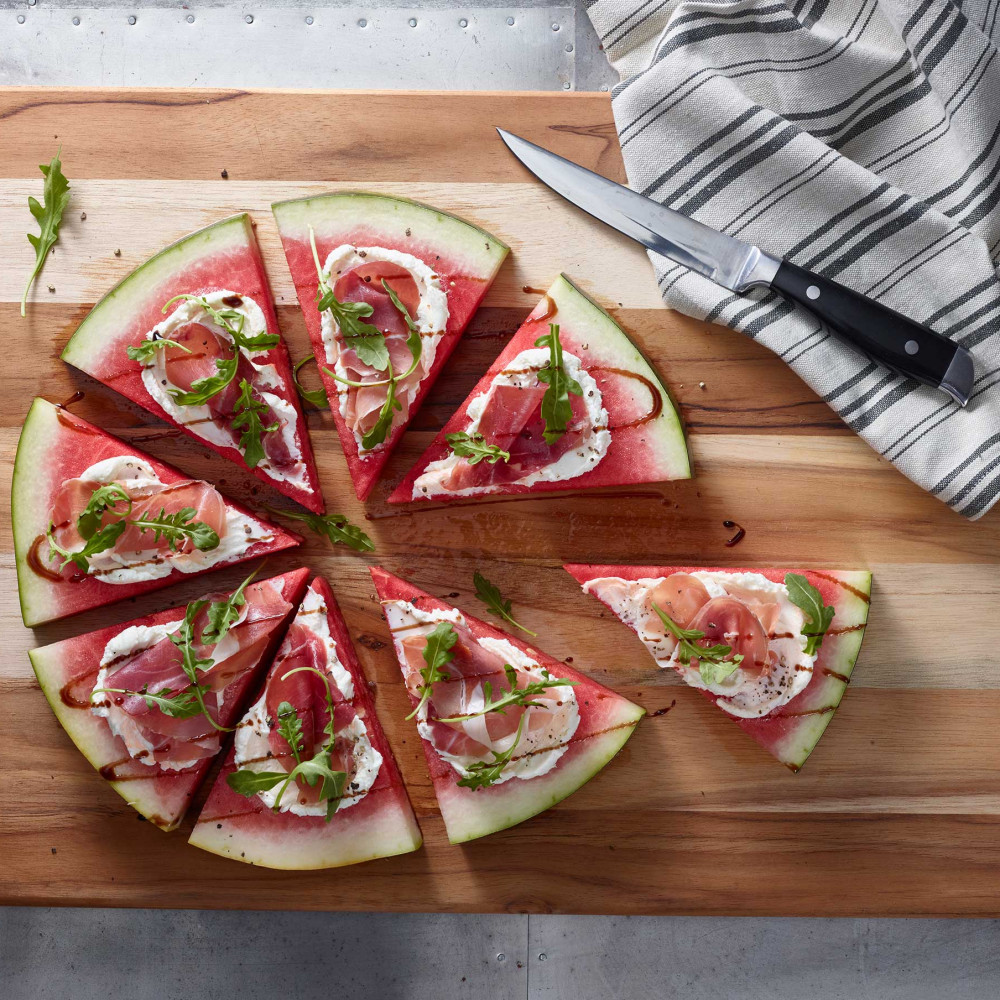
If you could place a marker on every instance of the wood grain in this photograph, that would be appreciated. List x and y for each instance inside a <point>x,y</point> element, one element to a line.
<point>897,812</point>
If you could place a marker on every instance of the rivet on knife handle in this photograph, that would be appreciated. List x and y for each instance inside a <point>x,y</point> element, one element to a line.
<point>902,344</point>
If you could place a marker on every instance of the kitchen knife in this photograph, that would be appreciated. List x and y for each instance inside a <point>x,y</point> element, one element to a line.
<point>886,336</point>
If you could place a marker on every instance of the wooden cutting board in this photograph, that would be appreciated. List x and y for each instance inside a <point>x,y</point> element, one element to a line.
<point>898,811</point>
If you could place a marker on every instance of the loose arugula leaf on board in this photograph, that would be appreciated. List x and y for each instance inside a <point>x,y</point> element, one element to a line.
<point>437,654</point>
<point>315,396</point>
<point>146,350</point>
<point>223,615</point>
<point>483,773</point>
<point>515,696</point>
<point>334,527</point>
<point>55,195</point>
<point>177,528</point>
<point>819,615</point>
<point>713,664</point>
<point>247,418</point>
<point>489,594</point>
<point>475,449</point>
<point>557,411</point>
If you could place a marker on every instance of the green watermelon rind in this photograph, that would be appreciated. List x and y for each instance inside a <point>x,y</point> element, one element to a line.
<point>132,292</point>
<point>469,815</point>
<point>668,443</point>
<point>399,218</point>
<point>389,835</point>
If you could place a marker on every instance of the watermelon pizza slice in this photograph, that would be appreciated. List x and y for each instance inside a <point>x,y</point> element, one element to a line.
<point>96,520</point>
<point>387,287</point>
<point>507,730</point>
<point>570,403</point>
<point>310,781</point>
<point>773,648</point>
<point>148,702</point>
<point>192,337</point>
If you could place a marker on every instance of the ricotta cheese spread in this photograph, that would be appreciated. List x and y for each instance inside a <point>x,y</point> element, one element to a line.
<point>745,694</point>
<point>431,319</point>
<point>113,566</point>
<point>547,729</point>
<point>199,419</point>
<point>522,373</point>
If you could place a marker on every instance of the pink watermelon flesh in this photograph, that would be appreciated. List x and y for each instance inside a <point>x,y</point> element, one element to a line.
<point>67,671</point>
<point>647,442</point>
<point>792,731</point>
<point>440,240</point>
<point>381,824</point>
<point>606,722</point>
<point>222,256</point>
<point>56,446</point>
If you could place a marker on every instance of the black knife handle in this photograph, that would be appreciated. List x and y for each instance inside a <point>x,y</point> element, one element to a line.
<point>886,336</point>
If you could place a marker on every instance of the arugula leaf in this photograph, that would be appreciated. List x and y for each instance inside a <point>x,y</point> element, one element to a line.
<point>515,696</point>
<point>557,411</point>
<point>100,541</point>
<point>146,350</point>
<point>437,654</point>
<point>475,449</point>
<point>413,341</point>
<point>203,389</point>
<point>368,341</point>
<point>222,615</point>
<point>181,704</point>
<point>712,663</point>
<point>482,774</point>
<point>804,595</point>
<point>48,216</point>
<point>380,429</point>
<point>334,527</point>
<point>290,729</point>
<point>247,417</point>
<point>191,663</point>
<point>104,499</point>
<point>315,396</point>
<point>248,782</point>
<point>330,703</point>
<point>490,595</point>
<point>232,321</point>
<point>178,527</point>
<point>399,305</point>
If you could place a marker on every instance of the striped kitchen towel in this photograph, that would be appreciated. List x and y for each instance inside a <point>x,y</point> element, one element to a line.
<point>860,138</point>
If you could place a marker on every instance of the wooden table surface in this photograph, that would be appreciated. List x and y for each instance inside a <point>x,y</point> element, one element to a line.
<point>898,810</point>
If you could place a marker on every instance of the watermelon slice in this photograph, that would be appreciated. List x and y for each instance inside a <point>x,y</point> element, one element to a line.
<point>624,428</point>
<point>222,265</point>
<point>68,672</point>
<point>568,738</point>
<point>372,820</point>
<point>438,266</point>
<point>56,447</point>
<point>792,728</point>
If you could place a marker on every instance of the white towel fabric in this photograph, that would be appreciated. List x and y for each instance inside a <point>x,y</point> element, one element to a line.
<point>861,139</point>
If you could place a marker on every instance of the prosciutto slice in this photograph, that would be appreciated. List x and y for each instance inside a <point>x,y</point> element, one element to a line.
<point>74,495</point>
<point>206,346</point>
<point>163,738</point>
<point>364,284</point>
<point>463,693</point>
<point>512,420</point>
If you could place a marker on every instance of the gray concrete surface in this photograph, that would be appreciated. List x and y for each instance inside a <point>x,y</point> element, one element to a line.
<point>78,954</point>
<point>75,954</point>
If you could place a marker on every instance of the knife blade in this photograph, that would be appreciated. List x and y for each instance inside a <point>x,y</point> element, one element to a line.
<point>884,335</point>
